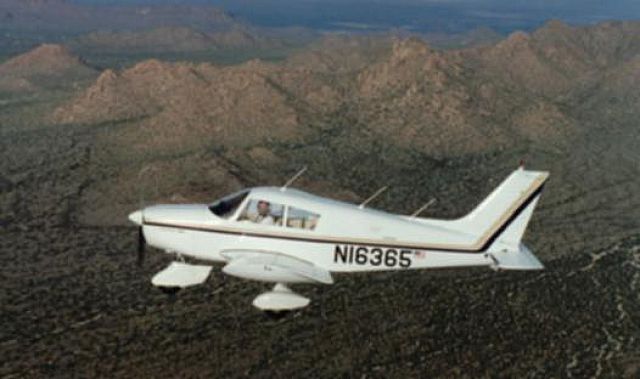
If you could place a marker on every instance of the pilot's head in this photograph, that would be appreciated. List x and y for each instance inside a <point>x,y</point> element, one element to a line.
<point>263,208</point>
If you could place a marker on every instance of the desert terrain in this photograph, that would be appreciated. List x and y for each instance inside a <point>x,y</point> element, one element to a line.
<point>89,134</point>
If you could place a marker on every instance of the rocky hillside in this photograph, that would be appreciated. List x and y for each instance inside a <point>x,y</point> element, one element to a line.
<point>44,67</point>
<point>452,101</point>
<point>558,58</point>
<point>393,109</point>
<point>182,103</point>
<point>481,36</point>
<point>24,24</point>
<point>173,40</point>
<point>440,101</point>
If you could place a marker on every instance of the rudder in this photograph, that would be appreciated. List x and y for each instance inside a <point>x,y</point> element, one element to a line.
<point>507,251</point>
<point>501,220</point>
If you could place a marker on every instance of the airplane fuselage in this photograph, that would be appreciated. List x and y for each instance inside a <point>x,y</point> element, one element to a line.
<point>339,237</point>
<point>335,254</point>
<point>282,236</point>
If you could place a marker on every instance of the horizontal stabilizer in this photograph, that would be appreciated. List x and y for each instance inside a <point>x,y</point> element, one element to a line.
<point>179,274</point>
<point>522,259</point>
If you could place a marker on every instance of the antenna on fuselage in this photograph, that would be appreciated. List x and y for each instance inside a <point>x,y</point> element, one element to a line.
<point>423,208</point>
<point>376,194</point>
<point>293,179</point>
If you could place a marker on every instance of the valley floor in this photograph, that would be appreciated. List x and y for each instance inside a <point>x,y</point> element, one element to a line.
<point>73,302</point>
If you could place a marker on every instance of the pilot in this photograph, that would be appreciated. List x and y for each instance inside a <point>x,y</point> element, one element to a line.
<point>264,213</point>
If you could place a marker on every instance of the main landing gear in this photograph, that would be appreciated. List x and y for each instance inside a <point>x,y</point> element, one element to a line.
<point>278,302</point>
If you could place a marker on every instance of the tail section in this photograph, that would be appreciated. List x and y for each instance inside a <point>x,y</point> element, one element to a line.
<point>506,251</point>
<point>502,218</point>
<point>517,190</point>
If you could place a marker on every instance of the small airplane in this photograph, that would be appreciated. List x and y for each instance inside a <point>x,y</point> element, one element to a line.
<point>284,236</point>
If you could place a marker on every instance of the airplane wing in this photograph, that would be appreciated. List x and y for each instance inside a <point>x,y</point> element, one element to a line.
<point>179,274</point>
<point>273,266</point>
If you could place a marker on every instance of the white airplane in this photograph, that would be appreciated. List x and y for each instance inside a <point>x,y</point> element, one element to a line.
<point>283,236</point>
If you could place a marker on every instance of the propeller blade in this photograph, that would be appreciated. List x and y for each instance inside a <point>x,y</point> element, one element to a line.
<point>142,244</point>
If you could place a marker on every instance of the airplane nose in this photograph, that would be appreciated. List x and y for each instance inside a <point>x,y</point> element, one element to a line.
<point>136,217</point>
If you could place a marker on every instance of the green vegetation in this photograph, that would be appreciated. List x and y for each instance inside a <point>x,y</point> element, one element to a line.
<point>122,60</point>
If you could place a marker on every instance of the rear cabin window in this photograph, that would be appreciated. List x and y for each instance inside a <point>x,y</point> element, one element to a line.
<point>301,219</point>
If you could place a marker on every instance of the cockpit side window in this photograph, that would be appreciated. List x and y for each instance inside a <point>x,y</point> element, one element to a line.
<point>264,212</point>
<point>301,219</point>
<point>227,206</point>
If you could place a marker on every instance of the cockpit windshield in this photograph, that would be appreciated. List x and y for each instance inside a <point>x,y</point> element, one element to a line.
<point>227,206</point>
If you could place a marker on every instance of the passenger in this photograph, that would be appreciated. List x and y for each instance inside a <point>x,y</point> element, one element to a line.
<point>264,213</point>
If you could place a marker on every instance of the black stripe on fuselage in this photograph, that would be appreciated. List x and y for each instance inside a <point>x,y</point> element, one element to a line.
<point>494,236</point>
